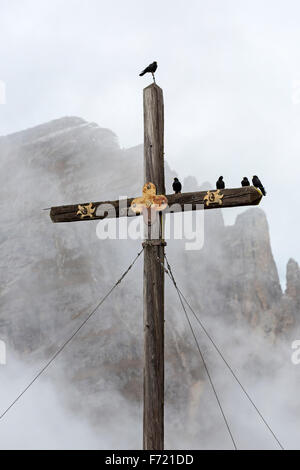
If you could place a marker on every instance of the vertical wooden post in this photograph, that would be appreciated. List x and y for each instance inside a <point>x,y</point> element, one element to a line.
<point>154,276</point>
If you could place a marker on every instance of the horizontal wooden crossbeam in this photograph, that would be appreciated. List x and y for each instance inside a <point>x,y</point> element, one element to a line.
<point>235,197</point>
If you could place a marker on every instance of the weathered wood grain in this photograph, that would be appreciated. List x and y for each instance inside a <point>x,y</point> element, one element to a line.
<point>154,137</point>
<point>153,435</point>
<point>235,197</point>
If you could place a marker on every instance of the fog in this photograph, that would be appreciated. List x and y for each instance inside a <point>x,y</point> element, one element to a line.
<point>230,74</point>
<point>44,419</point>
<point>39,420</point>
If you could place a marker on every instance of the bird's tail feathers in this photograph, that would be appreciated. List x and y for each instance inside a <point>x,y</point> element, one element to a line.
<point>141,74</point>
<point>262,190</point>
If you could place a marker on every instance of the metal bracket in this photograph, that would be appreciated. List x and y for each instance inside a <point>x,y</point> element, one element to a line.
<point>154,243</point>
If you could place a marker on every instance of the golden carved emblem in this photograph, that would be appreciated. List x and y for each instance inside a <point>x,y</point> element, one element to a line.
<point>149,200</point>
<point>86,211</point>
<point>214,197</point>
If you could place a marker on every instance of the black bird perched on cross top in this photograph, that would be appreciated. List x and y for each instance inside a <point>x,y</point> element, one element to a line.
<point>245,181</point>
<point>150,69</point>
<point>177,187</point>
<point>220,183</point>
<point>258,184</point>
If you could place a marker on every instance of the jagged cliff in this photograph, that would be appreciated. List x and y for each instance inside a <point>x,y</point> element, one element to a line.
<point>52,275</point>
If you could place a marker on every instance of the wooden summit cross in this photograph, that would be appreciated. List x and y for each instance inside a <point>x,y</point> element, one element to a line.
<point>155,201</point>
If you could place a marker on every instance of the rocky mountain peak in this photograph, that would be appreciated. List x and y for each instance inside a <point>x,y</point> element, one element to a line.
<point>45,129</point>
<point>54,274</point>
<point>293,280</point>
<point>254,221</point>
<point>60,130</point>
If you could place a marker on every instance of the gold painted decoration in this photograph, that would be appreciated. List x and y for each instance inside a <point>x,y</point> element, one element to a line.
<point>149,200</point>
<point>86,211</point>
<point>214,197</point>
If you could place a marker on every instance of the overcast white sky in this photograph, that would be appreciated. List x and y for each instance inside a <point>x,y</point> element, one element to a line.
<point>227,68</point>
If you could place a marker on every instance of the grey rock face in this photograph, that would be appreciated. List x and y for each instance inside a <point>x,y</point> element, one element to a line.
<point>293,281</point>
<point>53,275</point>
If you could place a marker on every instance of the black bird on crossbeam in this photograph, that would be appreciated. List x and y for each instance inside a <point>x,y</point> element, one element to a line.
<point>177,187</point>
<point>150,69</point>
<point>220,183</point>
<point>245,182</point>
<point>258,184</point>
